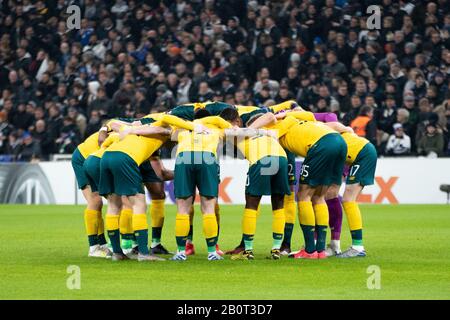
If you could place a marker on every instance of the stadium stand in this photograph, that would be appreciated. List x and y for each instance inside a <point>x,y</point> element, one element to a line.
<point>130,58</point>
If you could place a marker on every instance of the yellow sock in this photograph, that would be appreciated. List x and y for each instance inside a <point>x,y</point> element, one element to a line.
<point>112,225</point>
<point>306,213</point>
<point>181,231</point>
<point>112,222</point>
<point>157,213</point>
<point>278,221</point>
<point>91,221</point>
<point>321,214</point>
<point>249,221</point>
<point>290,208</point>
<point>307,223</point>
<point>101,223</point>
<point>139,221</point>
<point>353,215</point>
<point>182,225</point>
<point>125,221</point>
<point>210,229</point>
<point>210,225</point>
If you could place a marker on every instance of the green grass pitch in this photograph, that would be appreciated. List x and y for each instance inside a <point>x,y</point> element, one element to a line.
<point>410,244</point>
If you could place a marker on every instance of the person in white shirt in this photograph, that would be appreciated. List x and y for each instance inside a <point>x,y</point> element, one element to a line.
<point>398,143</point>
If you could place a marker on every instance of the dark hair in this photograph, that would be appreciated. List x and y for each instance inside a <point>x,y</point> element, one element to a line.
<point>229,114</point>
<point>365,110</point>
<point>253,119</point>
<point>201,113</point>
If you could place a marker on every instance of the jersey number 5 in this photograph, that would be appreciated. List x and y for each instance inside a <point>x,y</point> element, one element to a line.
<point>304,172</point>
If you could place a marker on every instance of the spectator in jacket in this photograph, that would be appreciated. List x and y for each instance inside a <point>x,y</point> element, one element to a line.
<point>365,126</point>
<point>431,144</point>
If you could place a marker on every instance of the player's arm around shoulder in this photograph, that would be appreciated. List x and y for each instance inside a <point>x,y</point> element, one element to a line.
<point>339,127</point>
<point>144,130</point>
<point>215,121</point>
<point>302,115</point>
<point>171,120</point>
<point>265,120</point>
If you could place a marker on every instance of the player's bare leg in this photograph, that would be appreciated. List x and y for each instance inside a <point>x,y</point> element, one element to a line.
<point>354,221</point>
<point>140,227</point>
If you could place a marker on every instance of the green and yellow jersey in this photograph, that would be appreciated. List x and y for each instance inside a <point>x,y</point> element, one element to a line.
<point>299,136</point>
<point>140,148</point>
<point>189,141</point>
<point>247,113</point>
<point>187,111</point>
<point>260,146</point>
<point>89,145</point>
<point>283,106</point>
<point>152,117</point>
<point>355,144</point>
<point>112,138</point>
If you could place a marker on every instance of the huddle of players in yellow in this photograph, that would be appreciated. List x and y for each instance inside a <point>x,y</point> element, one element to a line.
<point>122,158</point>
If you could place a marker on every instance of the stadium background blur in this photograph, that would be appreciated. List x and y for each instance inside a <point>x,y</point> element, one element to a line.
<point>131,58</point>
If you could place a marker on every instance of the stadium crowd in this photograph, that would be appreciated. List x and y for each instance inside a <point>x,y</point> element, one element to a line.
<point>131,58</point>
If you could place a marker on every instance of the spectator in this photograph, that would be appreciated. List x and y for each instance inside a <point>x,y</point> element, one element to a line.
<point>364,125</point>
<point>41,137</point>
<point>22,119</point>
<point>94,124</point>
<point>142,104</point>
<point>431,144</point>
<point>100,103</point>
<point>354,111</point>
<point>420,87</point>
<point>399,143</point>
<point>333,68</point>
<point>79,119</point>
<point>443,112</point>
<point>403,119</point>
<point>130,57</point>
<point>387,115</point>
<point>184,87</point>
<point>14,145</point>
<point>265,81</point>
<point>29,150</point>
<point>69,137</point>
<point>5,130</point>
<point>343,97</point>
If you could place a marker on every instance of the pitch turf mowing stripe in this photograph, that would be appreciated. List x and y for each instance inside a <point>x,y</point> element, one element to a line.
<point>408,243</point>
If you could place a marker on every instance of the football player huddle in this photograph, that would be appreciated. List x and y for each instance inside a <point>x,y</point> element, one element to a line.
<point>122,160</point>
